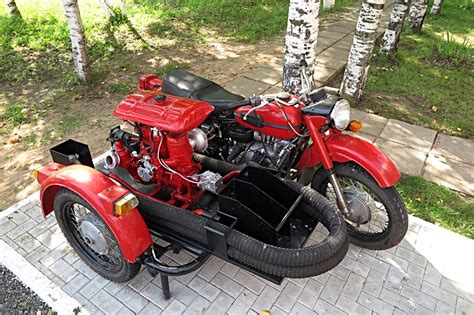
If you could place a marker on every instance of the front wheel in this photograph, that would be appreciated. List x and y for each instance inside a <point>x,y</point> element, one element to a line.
<point>385,218</point>
<point>91,238</point>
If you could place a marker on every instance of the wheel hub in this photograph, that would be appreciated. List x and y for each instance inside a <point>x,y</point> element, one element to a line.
<point>93,235</point>
<point>360,203</point>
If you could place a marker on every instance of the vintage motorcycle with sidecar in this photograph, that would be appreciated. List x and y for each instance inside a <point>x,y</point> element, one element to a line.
<point>151,183</point>
<point>300,137</point>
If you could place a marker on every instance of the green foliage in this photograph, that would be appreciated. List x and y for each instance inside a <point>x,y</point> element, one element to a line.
<point>120,88</point>
<point>432,74</point>
<point>437,204</point>
<point>14,114</point>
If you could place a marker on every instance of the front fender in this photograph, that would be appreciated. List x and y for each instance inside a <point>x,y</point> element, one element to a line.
<point>100,192</point>
<point>346,148</point>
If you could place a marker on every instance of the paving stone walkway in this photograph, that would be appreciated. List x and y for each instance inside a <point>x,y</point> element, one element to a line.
<point>429,272</point>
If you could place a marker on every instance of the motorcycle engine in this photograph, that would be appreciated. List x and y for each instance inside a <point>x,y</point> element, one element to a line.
<point>240,145</point>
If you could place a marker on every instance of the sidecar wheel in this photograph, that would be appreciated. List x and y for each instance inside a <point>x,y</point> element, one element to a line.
<point>387,221</point>
<point>91,238</point>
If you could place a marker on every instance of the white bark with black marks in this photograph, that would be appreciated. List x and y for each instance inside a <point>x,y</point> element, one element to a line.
<point>300,41</point>
<point>328,4</point>
<point>417,14</point>
<point>12,8</point>
<point>365,35</point>
<point>436,8</point>
<point>78,39</point>
<point>392,33</point>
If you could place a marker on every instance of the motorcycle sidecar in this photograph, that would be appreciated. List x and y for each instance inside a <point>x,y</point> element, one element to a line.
<point>257,222</point>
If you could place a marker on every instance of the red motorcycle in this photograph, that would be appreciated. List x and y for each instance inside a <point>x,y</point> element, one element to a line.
<point>300,137</point>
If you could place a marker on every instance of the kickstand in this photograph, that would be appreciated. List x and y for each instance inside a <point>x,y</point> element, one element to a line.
<point>165,286</point>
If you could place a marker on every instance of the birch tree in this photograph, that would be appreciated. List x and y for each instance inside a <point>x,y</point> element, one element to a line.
<point>417,14</point>
<point>108,6</point>
<point>300,42</point>
<point>365,35</point>
<point>13,9</point>
<point>328,4</point>
<point>78,39</point>
<point>391,37</point>
<point>436,7</point>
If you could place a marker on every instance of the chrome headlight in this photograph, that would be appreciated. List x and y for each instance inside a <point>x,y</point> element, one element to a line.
<point>341,114</point>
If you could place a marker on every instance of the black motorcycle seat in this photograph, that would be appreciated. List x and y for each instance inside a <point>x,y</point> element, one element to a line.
<point>185,84</point>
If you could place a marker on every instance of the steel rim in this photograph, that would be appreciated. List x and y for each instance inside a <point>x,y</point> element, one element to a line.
<point>78,217</point>
<point>379,219</point>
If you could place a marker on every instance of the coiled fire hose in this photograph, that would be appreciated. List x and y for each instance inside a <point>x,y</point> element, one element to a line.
<point>278,261</point>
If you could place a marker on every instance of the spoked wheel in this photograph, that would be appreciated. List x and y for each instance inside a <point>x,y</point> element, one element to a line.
<point>91,238</point>
<point>378,218</point>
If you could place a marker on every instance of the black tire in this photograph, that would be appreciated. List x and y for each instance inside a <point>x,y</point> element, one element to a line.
<point>394,207</point>
<point>121,270</point>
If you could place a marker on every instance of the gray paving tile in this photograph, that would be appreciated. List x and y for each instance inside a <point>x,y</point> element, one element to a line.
<point>375,304</point>
<point>94,286</point>
<point>106,302</point>
<point>37,254</point>
<point>18,217</point>
<point>204,288</point>
<point>288,296</point>
<point>310,293</point>
<point>404,133</point>
<point>84,269</point>
<point>211,268</point>
<point>440,294</point>
<point>374,282</point>
<point>454,148</point>
<point>371,124</point>
<point>414,276</point>
<point>227,285</point>
<point>300,309</point>
<point>198,306</point>
<point>449,173</point>
<point>413,257</point>
<point>154,294</point>
<point>56,254</point>
<point>418,297</point>
<point>89,306</point>
<point>249,281</point>
<point>243,303</point>
<point>27,242</point>
<point>348,305</point>
<point>464,306</point>
<point>141,280</point>
<point>353,286</point>
<point>332,289</point>
<point>182,292</point>
<point>131,299</point>
<point>246,87</point>
<point>265,75</point>
<point>408,160</point>
<point>373,262</point>
<point>355,266</point>
<point>6,226</point>
<point>396,300</point>
<point>74,285</point>
<point>323,307</point>
<point>51,240</point>
<point>220,305</point>
<point>151,309</point>
<point>63,270</point>
<point>21,229</point>
<point>175,307</point>
<point>266,299</point>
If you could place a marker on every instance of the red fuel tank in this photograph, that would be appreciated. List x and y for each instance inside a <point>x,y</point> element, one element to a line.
<point>165,112</point>
<point>271,121</point>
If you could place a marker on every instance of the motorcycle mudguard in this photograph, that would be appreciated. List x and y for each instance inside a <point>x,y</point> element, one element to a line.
<point>346,148</point>
<point>100,192</point>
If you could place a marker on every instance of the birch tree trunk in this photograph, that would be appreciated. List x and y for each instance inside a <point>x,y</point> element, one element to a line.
<point>436,8</point>
<point>108,7</point>
<point>328,4</point>
<point>365,35</point>
<point>417,14</point>
<point>300,41</point>
<point>12,8</point>
<point>78,39</point>
<point>391,37</point>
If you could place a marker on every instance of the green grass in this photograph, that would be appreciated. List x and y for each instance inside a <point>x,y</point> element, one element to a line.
<point>14,114</point>
<point>437,204</point>
<point>432,74</point>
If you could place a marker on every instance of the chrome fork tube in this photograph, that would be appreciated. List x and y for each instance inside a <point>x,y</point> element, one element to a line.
<point>341,201</point>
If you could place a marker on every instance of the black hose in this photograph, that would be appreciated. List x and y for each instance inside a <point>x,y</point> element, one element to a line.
<point>278,261</point>
<point>215,165</point>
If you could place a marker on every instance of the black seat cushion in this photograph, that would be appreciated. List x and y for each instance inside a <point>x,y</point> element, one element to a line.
<point>185,84</point>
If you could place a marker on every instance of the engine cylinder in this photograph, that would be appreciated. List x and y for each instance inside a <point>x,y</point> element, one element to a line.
<point>198,140</point>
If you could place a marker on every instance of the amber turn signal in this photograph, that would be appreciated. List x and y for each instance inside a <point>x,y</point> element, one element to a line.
<point>354,126</point>
<point>125,205</point>
<point>35,174</point>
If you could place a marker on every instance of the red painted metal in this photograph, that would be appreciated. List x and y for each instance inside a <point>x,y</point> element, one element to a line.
<point>346,148</point>
<point>275,123</point>
<point>174,114</point>
<point>100,192</point>
<point>314,123</point>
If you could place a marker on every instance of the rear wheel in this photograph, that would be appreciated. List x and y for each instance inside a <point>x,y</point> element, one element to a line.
<point>91,238</point>
<point>379,218</point>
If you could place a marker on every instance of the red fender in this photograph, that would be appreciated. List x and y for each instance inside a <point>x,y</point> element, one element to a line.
<point>100,192</point>
<point>346,148</point>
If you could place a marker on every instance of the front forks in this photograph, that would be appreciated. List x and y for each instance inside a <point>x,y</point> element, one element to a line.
<point>340,199</point>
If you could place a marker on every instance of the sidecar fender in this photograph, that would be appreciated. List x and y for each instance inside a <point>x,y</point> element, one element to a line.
<point>100,192</point>
<point>346,148</point>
